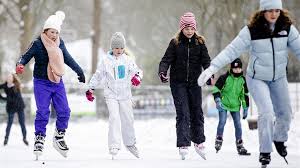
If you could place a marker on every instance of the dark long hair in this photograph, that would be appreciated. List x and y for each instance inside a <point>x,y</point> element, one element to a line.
<point>258,19</point>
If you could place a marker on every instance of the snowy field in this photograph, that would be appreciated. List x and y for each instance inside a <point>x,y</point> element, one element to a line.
<point>87,139</point>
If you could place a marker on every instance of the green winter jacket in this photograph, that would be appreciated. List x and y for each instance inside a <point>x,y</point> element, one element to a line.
<point>233,91</point>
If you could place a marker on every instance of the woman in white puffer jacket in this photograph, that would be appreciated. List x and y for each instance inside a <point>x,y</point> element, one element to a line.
<point>268,37</point>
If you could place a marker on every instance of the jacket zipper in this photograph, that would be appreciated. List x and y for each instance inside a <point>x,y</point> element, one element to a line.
<point>273,58</point>
<point>188,62</point>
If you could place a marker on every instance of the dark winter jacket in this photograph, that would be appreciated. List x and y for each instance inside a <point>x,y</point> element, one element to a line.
<point>39,52</point>
<point>187,58</point>
<point>14,99</point>
<point>233,91</point>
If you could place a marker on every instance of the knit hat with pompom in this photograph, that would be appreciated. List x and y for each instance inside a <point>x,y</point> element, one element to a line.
<point>55,21</point>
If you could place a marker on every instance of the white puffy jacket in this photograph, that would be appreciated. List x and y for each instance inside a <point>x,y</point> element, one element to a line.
<point>114,74</point>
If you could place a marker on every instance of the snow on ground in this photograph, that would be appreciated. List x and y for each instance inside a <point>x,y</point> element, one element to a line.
<point>87,139</point>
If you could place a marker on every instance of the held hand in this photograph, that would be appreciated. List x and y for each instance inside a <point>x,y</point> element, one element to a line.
<point>163,77</point>
<point>89,95</point>
<point>245,112</point>
<point>81,78</point>
<point>219,104</point>
<point>136,80</point>
<point>205,75</point>
<point>19,69</point>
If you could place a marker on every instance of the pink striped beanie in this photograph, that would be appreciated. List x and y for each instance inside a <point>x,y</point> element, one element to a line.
<point>188,20</point>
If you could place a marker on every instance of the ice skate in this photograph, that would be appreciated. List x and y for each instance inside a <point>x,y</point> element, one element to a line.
<point>38,146</point>
<point>218,143</point>
<point>240,148</point>
<point>25,141</point>
<point>281,149</point>
<point>200,149</point>
<point>5,141</point>
<point>133,149</point>
<point>59,143</point>
<point>113,152</point>
<point>183,151</point>
<point>264,159</point>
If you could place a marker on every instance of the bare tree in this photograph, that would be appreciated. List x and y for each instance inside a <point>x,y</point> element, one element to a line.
<point>96,34</point>
<point>25,14</point>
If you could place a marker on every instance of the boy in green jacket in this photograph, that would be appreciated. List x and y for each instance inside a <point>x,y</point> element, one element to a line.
<point>230,92</point>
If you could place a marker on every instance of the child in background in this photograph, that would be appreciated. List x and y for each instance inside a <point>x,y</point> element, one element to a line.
<point>230,92</point>
<point>15,104</point>
<point>117,72</point>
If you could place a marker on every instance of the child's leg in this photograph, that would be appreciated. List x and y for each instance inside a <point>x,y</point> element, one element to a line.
<point>196,114</point>
<point>42,94</point>
<point>237,124</point>
<point>114,131</point>
<point>127,122</point>
<point>222,122</point>
<point>22,123</point>
<point>61,106</point>
<point>10,120</point>
<point>180,97</point>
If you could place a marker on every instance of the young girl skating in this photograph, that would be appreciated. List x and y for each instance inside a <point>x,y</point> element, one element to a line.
<point>116,72</point>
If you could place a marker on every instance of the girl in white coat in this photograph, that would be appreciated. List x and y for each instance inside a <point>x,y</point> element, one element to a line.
<point>117,72</point>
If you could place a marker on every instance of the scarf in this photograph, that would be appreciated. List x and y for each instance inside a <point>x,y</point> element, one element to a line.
<point>55,69</point>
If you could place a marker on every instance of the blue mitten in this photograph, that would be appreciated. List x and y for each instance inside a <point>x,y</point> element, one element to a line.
<point>245,112</point>
<point>219,104</point>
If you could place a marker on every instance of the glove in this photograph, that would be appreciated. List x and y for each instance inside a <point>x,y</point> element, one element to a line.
<point>245,112</point>
<point>206,74</point>
<point>210,80</point>
<point>81,78</point>
<point>19,69</point>
<point>136,80</point>
<point>89,95</point>
<point>163,77</point>
<point>219,104</point>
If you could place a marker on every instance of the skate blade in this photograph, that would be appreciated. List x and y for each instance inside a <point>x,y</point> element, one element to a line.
<point>285,160</point>
<point>202,155</point>
<point>244,154</point>
<point>37,154</point>
<point>182,157</point>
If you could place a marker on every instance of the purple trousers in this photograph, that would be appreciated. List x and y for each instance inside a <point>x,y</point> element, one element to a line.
<point>44,92</point>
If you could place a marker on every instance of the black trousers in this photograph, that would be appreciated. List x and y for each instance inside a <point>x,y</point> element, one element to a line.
<point>10,120</point>
<point>189,115</point>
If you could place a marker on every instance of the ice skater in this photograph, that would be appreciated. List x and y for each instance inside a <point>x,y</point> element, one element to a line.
<point>116,72</point>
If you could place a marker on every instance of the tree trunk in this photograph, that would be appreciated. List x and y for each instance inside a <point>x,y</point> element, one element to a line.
<point>96,34</point>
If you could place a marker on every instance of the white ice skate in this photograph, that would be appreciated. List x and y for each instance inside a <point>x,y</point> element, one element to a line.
<point>38,146</point>
<point>133,149</point>
<point>183,151</point>
<point>113,152</point>
<point>59,143</point>
<point>200,149</point>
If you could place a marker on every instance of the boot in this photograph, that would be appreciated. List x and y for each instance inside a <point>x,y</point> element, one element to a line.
<point>59,143</point>
<point>5,141</point>
<point>25,141</point>
<point>113,152</point>
<point>133,149</point>
<point>218,143</point>
<point>183,151</point>
<point>200,149</point>
<point>38,148</point>
<point>281,149</point>
<point>264,159</point>
<point>240,148</point>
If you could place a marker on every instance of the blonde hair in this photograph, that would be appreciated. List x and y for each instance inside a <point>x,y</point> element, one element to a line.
<point>199,38</point>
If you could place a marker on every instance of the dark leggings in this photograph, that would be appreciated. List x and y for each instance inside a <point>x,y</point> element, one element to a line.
<point>10,120</point>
